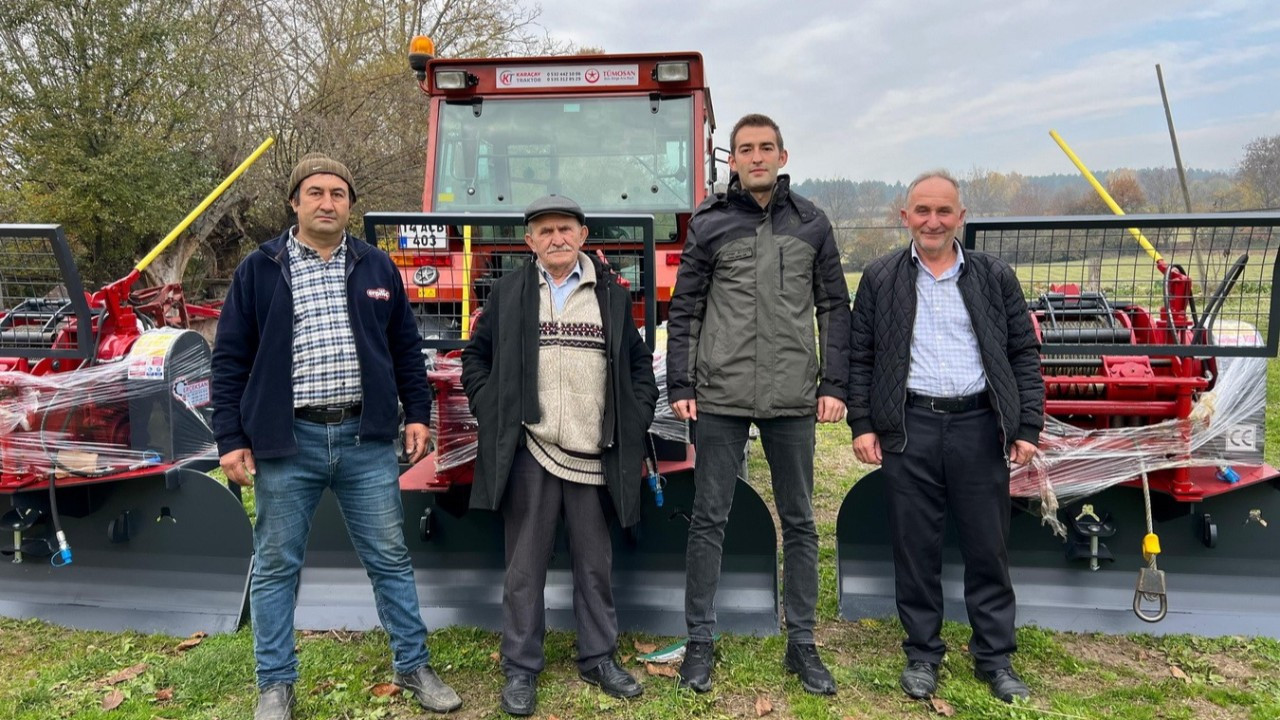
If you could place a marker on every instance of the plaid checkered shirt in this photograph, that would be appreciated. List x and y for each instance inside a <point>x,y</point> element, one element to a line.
<point>326,372</point>
<point>945,361</point>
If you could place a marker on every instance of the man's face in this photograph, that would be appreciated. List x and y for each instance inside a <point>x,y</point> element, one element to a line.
<point>556,239</point>
<point>932,215</point>
<point>756,158</point>
<point>323,206</point>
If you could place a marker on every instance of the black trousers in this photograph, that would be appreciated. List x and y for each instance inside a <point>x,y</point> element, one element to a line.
<point>953,464</point>
<point>530,511</point>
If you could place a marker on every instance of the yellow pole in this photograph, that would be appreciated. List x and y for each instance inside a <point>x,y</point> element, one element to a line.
<point>191,216</point>
<point>1106,197</point>
<point>466,282</point>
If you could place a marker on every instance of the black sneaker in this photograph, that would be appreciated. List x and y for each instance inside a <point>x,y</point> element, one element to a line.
<point>803,660</point>
<point>919,679</point>
<point>695,670</point>
<point>1005,684</point>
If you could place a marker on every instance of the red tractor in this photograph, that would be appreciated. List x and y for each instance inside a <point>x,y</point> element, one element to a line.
<point>629,138</point>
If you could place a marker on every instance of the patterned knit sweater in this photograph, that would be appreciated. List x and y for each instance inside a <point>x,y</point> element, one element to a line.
<point>571,383</point>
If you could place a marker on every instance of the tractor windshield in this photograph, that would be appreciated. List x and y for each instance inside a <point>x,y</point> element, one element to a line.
<point>611,154</point>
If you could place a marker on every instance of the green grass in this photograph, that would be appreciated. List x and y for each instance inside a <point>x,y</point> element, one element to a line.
<point>52,672</point>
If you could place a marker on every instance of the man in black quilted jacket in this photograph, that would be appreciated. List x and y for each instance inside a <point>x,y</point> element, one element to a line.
<point>945,394</point>
<point>758,270</point>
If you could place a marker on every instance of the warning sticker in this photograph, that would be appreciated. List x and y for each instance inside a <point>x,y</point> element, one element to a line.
<point>569,76</point>
<point>146,357</point>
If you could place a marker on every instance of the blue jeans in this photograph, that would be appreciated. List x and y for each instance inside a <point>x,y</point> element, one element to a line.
<point>364,477</point>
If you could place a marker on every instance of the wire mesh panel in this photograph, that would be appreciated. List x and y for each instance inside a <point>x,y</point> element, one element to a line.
<point>41,295</point>
<point>450,262</point>
<point>1184,285</point>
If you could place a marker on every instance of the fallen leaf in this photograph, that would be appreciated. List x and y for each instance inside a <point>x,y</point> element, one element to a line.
<point>663,670</point>
<point>385,689</point>
<point>112,700</point>
<point>942,707</point>
<point>763,706</point>
<point>1176,671</point>
<point>191,642</point>
<point>164,694</point>
<point>128,673</point>
<point>553,717</point>
<point>644,647</point>
<point>494,656</point>
<point>626,659</point>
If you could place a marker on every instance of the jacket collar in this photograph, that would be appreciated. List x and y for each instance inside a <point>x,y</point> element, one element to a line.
<point>278,248</point>
<point>738,196</point>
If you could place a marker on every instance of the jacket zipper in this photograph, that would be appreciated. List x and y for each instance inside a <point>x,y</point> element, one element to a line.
<point>995,397</point>
<point>347,272</point>
<point>781,274</point>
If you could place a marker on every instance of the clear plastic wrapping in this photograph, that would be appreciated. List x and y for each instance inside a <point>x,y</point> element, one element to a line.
<point>1074,463</point>
<point>151,406</point>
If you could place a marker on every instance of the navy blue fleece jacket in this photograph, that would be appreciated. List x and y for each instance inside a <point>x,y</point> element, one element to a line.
<point>253,351</point>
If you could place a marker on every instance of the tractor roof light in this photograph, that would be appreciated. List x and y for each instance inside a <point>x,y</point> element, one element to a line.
<point>421,50</point>
<point>455,80</point>
<point>671,72</point>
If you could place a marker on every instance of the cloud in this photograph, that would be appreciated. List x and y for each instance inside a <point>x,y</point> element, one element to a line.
<point>881,89</point>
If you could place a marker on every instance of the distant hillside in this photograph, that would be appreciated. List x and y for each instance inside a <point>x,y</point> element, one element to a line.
<point>1146,190</point>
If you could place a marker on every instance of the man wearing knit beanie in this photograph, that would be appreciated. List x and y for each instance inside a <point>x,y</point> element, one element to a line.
<point>315,353</point>
<point>316,164</point>
<point>561,430</point>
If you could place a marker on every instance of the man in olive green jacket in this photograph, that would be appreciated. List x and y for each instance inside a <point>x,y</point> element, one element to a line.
<point>759,265</point>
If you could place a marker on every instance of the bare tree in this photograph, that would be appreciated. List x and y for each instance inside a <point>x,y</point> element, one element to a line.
<point>1259,173</point>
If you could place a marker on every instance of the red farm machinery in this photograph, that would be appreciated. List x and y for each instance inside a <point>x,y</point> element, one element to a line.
<point>1148,509</point>
<point>629,138</point>
<point>110,520</point>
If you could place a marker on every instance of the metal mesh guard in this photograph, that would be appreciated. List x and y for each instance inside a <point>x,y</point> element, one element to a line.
<point>40,295</point>
<point>1230,260</point>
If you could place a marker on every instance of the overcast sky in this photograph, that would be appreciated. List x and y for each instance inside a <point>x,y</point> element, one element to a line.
<point>882,89</point>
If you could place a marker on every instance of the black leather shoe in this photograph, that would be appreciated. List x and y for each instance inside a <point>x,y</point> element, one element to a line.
<point>1005,684</point>
<point>612,679</point>
<point>695,669</point>
<point>919,679</point>
<point>803,660</point>
<point>520,694</point>
<point>275,702</point>
<point>429,690</point>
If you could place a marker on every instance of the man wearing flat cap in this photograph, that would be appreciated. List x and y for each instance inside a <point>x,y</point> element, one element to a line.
<point>316,347</point>
<point>563,390</point>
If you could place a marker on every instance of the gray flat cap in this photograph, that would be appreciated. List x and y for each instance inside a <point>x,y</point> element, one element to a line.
<point>554,204</point>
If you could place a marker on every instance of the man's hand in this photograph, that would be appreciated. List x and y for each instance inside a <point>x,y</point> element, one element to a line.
<point>685,409</point>
<point>239,466</point>
<point>866,447</point>
<point>416,439</point>
<point>830,409</point>
<point>1021,452</point>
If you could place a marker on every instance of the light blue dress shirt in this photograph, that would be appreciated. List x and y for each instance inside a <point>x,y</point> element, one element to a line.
<point>945,360</point>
